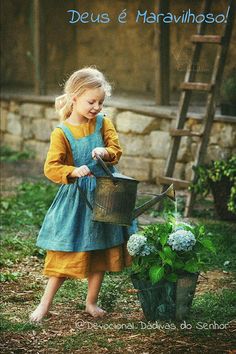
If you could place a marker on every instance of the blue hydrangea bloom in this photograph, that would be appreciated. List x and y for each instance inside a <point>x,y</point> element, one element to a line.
<point>181,240</point>
<point>137,245</point>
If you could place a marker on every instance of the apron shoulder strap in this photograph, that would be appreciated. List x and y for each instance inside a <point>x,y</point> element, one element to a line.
<point>67,133</point>
<point>99,122</point>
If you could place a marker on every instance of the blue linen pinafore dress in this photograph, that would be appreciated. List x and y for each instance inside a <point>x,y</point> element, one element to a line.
<point>68,224</point>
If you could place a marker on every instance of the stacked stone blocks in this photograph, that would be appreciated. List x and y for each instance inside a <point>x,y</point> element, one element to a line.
<point>145,140</point>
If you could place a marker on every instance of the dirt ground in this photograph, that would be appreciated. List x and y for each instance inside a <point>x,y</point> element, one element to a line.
<point>67,324</point>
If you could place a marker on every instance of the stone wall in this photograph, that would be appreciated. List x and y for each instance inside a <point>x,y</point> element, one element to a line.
<point>144,138</point>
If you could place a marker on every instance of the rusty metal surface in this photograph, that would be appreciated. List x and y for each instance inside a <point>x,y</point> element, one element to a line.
<point>115,201</point>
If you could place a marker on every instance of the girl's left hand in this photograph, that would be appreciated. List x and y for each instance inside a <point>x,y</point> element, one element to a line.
<point>100,151</point>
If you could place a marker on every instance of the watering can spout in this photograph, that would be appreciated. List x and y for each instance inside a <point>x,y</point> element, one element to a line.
<point>169,193</point>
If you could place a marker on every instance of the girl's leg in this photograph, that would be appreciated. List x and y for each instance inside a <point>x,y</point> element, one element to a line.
<point>94,284</point>
<point>42,309</point>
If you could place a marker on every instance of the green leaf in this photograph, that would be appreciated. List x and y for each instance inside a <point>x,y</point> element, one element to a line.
<point>165,258</point>
<point>168,261</point>
<point>202,230</point>
<point>167,251</point>
<point>162,255</point>
<point>163,239</point>
<point>29,213</point>
<point>172,277</point>
<point>191,266</point>
<point>156,273</point>
<point>178,265</point>
<point>208,244</point>
<point>2,277</point>
<point>5,205</point>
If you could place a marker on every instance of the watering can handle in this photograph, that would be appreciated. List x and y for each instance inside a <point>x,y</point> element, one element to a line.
<point>104,166</point>
<point>84,197</point>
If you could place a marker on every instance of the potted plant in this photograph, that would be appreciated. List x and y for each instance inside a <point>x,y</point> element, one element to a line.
<point>219,178</point>
<point>228,93</point>
<point>167,259</point>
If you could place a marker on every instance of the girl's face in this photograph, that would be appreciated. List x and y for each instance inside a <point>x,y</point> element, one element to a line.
<point>89,104</point>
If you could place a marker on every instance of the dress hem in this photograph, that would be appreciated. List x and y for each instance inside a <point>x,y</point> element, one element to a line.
<point>79,276</point>
<point>48,247</point>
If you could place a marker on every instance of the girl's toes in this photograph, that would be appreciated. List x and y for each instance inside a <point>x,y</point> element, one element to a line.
<point>95,311</point>
<point>38,314</point>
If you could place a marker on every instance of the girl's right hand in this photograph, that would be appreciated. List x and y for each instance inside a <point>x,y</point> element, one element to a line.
<point>81,171</point>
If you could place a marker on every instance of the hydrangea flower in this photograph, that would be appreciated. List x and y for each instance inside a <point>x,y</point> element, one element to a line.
<point>181,240</point>
<point>181,226</point>
<point>137,245</point>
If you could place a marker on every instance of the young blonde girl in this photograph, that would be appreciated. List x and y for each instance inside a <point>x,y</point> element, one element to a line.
<point>76,246</point>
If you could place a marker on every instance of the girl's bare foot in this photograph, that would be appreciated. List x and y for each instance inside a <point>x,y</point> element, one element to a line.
<point>94,310</point>
<point>39,313</point>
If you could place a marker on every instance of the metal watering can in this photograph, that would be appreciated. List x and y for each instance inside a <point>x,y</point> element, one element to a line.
<point>115,198</point>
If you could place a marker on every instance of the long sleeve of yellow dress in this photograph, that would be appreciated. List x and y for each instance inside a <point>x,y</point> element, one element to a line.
<point>59,162</point>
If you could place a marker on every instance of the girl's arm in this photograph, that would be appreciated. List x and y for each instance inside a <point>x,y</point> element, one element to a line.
<point>59,162</point>
<point>111,141</point>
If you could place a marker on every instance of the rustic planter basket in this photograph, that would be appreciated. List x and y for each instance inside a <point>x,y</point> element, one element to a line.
<point>221,193</point>
<point>166,300</point>
<point>228,109</point>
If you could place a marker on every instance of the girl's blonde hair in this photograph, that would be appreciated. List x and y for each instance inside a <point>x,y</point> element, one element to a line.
<point>78,82</point>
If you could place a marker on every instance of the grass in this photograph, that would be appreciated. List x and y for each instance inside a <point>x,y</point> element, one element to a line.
<point>16,245</point>
<point>6,325</point>
<point>29,205</point>
<point>71,290</point>
<point>7,154</point>
<point>219,307</point>
<point>212,311</point>
<point>222,234</point>
<point>92,341</point>
<point>112,292</point>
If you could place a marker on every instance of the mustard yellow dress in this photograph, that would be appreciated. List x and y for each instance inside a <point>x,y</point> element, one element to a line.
<point>58,166</point>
